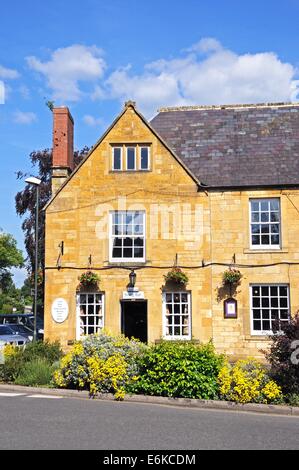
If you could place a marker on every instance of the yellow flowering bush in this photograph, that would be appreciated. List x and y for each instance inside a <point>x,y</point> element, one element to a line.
<point>247,381</point>
<point>10,351</point>
<point>113,371</point>
<point>100,363</point>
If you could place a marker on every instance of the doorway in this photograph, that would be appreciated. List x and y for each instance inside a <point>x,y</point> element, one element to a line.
<point>134,319</point>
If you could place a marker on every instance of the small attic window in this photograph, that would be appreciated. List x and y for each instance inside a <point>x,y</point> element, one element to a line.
<point>130,157</point>
<point>117,159</point>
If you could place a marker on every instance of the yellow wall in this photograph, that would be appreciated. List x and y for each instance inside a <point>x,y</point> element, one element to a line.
<point>77,213</point>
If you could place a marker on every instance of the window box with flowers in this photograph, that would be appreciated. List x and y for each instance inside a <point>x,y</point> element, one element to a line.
<point>176,276</point>
<point>88,281</point>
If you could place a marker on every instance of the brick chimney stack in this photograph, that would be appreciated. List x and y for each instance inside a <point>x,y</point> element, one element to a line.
<point>63,146</point>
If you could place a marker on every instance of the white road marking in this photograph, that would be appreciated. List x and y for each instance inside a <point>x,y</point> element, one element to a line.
<point>9,394</point>
<point>43,396</point>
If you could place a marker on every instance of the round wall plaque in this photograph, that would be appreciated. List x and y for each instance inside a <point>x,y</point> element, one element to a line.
<point>60,310</point>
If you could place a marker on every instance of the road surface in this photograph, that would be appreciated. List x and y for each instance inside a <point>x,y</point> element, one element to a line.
<point>45,422</point>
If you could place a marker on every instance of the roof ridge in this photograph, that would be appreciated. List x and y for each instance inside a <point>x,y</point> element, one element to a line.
<point>227,106</point>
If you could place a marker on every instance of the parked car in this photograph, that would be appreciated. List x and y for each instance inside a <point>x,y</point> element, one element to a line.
<point>26,319</point>
<point>18,329</point>
<point>7,336</point>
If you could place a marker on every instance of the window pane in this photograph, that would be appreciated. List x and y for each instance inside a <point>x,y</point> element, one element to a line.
<point>274,228</point>
<point>256,314</point>
<point>128,253</point>
<point>283,302</point>
<point>274,291</point>
<point>265,290</point>
<point>255,217</point>
<point>266,314</point>
<point>117,242</point>
<point>274,239</point>
<point>284,314</point>
<point>256,291</point>
<point>131,158</point>
<point>144,151</point>
<point>274,216</point>
<point>255,206</point>
<point>128,242</point>
<point>256,240</point>
<point>117,158</point>
<point>283,291</point>
<point>256,325</point>
<point>264,205</point>
<point>116,218</point>
<point>138,242</point>
<point>265,239</point>
<point>116,253</point>
<point>265,216</point>
<point>138,252</point>
<point>274,204</point>
<point>265,229</point>
<point>255,229</point>
<point>274,314</point>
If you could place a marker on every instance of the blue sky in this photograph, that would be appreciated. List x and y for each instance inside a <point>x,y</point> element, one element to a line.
<point>93,55</point>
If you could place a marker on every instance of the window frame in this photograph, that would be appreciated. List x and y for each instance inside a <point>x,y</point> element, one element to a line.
<point>121,157</point>
<point>267,332</point>
<point>164,324</point>
<point>78,305</point>
<point>112,236</point>
<point>127,147</point>
<point>260,246</point>
<point>148,157</point>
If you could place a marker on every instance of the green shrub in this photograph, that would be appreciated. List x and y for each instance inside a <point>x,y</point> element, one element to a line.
<point>17,357</point>
<point>179,369</point>
<point>292,399</point>
<point>36,372</point>
<point>247,381</point>
<point>100,363</point>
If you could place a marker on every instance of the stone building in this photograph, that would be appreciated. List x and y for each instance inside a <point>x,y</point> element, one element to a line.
<point>206,189</point>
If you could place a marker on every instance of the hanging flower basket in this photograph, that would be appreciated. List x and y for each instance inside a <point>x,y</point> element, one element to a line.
<point>231,276</point>
<point>88,280</point>
<point>177,276</point>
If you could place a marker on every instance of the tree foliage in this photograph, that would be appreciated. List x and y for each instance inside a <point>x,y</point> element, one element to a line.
<point>10,255</point>
<point>25,200</point>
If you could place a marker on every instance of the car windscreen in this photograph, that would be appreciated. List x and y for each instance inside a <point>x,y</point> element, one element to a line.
<point>4,330</point>
<point>20,329</point>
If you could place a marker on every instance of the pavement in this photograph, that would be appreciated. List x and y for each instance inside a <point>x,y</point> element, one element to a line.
<point>51,421</point>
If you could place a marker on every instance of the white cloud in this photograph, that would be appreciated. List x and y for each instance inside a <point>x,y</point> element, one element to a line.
<point>21,117</point>
<point>207,73</point>
<point>150,90</point>
<point>92,121</point>
<point>67,67</point>
<point>8,74</point>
